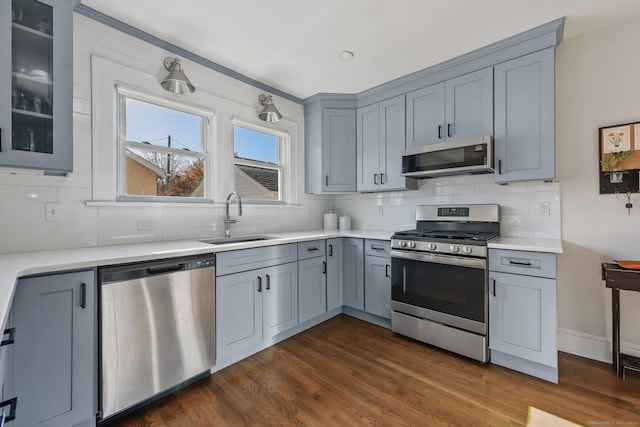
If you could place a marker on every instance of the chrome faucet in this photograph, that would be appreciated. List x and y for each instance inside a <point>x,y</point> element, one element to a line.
<point>227,219</point>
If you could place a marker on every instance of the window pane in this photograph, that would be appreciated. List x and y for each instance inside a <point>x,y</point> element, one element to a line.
<point>162,126</point>
<point>150,173</point>
<point>255,145</point>
<point>257,173</point>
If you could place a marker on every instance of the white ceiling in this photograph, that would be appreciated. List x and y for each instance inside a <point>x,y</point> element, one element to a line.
<point>294,45</point>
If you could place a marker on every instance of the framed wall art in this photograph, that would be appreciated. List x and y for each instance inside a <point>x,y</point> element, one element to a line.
<point>619,158</point>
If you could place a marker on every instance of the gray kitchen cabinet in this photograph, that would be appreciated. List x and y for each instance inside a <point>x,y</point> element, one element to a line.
<point>353,260</point>
<point>380,139</point>
<point>377,278</point>
<point>522,312</point>
<point>335,273</point>
<point>6,367</point>
<point>524,138</point>
<point>330,150</point>
<point>37,76</point>
<point>312,281</point>
<point>458,108</point>
<point>254,305</point>
<point>54,371</point>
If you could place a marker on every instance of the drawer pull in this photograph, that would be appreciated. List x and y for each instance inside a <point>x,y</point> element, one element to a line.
<point>313,249</point>
<point>522,263</point>
<point>11,338</point>
<point>12,412</point>
<point>377,247</point>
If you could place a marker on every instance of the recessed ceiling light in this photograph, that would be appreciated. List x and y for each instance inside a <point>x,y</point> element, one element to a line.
<point>346,55</point>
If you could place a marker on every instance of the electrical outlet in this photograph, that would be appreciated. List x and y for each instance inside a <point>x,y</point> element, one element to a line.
<point>53,211</point>
<point>543,209</point>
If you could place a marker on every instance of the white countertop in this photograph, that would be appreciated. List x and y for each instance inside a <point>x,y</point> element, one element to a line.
<point>527,244</point>
<point>18,265</point>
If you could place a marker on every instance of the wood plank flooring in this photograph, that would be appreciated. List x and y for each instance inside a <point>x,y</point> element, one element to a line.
<point>346,372</point>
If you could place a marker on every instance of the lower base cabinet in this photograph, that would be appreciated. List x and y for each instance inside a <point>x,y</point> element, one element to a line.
<point>312,288</point>
<point>53,375</point>
<point>335,273</point>
<point>522,312</point>
<point>255,305</point>
<point>377,277</point>
<point>353,273</point>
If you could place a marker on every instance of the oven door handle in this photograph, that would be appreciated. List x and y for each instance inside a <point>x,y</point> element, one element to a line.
<point>442,259</point>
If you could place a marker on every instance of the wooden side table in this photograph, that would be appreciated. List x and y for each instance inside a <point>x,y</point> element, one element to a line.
<point>620,279</point>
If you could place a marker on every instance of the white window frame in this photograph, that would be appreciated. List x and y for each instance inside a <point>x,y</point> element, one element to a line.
<point>284,159</point>
<point>123,92</point>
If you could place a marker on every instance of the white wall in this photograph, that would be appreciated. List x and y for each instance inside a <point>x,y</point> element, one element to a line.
<point>597,84</point>
<point>24,198</point>
<point>519,204</point>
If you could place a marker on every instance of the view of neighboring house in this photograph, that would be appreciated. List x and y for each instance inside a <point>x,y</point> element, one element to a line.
<point>256,181</point>
<point>142,176</point>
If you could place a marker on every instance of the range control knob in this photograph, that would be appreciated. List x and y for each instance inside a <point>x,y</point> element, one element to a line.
<point>402,243</point>
<point>412,245</point>
<point>466,249</point>
<point>432,246</point>
<point>454,248</point>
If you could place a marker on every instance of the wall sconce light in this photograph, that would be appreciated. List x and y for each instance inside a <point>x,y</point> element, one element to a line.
<point>269,113</point>
<point>176,81</point>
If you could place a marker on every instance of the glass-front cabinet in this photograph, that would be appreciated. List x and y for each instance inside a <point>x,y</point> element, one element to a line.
<point>36,84</point>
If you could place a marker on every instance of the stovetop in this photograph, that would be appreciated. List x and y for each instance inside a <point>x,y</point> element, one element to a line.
<point>421,234</point>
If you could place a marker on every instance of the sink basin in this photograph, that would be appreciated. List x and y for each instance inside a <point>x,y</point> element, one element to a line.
<point>239,239</point>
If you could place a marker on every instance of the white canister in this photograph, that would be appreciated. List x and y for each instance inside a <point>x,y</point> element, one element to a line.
<point>345,223</point>
<point>330,221</point>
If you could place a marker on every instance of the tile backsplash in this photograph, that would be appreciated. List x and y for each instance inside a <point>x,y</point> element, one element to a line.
<point>527,209</point>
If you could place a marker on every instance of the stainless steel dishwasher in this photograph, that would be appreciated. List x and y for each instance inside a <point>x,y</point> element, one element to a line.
<point>157,328</point>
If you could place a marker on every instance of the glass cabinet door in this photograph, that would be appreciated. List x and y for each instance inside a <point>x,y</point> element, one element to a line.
<point>32,76</point>
<point>40,52</point>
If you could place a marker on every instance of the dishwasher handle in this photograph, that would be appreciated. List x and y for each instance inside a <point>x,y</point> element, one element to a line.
<point>152,271</point>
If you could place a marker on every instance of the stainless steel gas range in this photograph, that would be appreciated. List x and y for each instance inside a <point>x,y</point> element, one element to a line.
<point>439,277</point>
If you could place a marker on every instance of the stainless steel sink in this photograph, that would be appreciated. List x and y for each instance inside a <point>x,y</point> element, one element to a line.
<point>239,239</point>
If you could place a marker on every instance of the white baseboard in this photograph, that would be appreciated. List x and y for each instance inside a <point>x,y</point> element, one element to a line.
<point>592,346</point>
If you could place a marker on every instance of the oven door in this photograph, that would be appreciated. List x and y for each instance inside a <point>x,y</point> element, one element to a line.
<point>446,289</point>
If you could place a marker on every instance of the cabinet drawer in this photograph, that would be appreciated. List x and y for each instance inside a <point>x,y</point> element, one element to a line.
<point>377,247</point>
<point>250,259</point>
<point>537,264</point>
<point>311,249</point>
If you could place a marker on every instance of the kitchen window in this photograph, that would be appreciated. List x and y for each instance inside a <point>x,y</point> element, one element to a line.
<point>162,152</point>
<point>258,157</point>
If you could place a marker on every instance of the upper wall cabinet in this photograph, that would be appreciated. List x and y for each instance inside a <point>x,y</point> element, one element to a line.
<point>524,138</point>
<point>380,140</point>
<point>330,150</point>
<point>36,102</point>
<point>458,108</point>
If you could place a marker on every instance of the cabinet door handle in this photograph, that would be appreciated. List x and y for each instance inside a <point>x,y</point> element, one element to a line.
<point>268,281</point>
<point>499,167</point>
<point>494,287</point>
<point>83,295</point>
<point>381,178</point>
<point>11,338</point>
<point>326,180</point>
<point>324,267</point>
<point>386,270</point>
<point>330,250</point>
<point>12,412</point>
<point>375,178</point>
<point>523,263</point>
<point>259,284</point>
<point>0,139</point>
<point>439,131</point>
<point>449,130</point>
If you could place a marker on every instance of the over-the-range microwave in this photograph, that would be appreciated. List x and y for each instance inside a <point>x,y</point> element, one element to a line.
<point>468,156</point>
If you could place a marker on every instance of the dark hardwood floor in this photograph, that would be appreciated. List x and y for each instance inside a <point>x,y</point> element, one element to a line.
<point>347,372</point>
